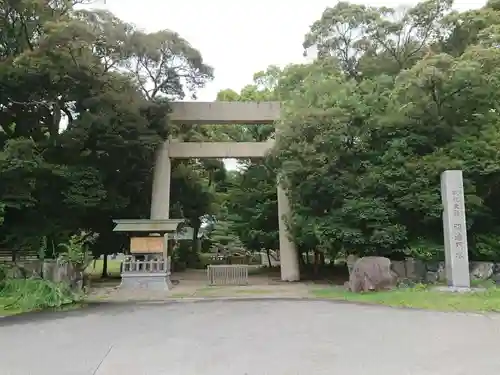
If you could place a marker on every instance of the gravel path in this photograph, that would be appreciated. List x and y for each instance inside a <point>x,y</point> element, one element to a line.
<point>113,294</point>
<point>250,338</point>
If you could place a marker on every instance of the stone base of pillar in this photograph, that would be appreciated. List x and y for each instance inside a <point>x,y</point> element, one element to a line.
<point>158,281</point>
<point>289,274</point>
<point>454,289</point>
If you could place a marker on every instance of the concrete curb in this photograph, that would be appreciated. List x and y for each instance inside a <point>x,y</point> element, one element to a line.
<point>96,307</point>
<point>31,316</point>
<point>261,298</point>
<point>230,299</point>
<point>187,300</point>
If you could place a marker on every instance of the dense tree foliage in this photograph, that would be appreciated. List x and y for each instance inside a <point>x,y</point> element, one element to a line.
<point>394,98</point>
<point>83,106</point>
<point>251,207</point>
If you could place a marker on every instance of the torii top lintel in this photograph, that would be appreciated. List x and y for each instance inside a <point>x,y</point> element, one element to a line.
<point>147,226</point>
<point>225,112</point>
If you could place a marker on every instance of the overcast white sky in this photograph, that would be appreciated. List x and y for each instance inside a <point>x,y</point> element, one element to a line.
<point>238,40</point>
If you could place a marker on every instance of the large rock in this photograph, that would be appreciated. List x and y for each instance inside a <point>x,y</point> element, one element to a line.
<point>371,274</point>
<point>399,267</point>
<point>481,270</point>
<point>436,272</point>
<point>351,261</point>
<point>431,277</point>
<point>415,269</point>
<point>441,272</point>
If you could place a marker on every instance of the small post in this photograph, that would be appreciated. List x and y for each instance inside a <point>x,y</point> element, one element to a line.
<point>455,230</point>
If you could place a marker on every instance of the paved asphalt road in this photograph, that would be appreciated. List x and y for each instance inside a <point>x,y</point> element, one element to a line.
<point>250,338</point>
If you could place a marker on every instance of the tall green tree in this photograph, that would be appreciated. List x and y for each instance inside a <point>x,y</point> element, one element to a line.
<point>367,41</point>
<point>364,149</point>
<point>251,201</point>
<point>78,130</point>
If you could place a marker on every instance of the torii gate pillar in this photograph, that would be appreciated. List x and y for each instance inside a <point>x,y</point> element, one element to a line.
<point>160,198</point>
<point>289,260</point>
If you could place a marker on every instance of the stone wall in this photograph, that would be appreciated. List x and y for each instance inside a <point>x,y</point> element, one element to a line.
<point>431,272</point>
<point>51,270</point>
<point>62,272</point>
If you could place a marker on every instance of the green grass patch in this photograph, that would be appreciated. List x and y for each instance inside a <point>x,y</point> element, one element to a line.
<point>181,295</point>
<point>267,271</point>
<point>23,295</point>
<point>9,311</point>
<point>420,297</point>
<point>5,309</point>
<point>252,291</point>
<point>229,291</point>
<point>206,291</point>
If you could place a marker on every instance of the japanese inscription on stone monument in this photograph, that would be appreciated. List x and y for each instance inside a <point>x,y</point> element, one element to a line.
<point>457,229</point>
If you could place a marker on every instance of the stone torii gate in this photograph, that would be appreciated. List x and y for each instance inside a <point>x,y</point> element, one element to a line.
<point>246,113</point>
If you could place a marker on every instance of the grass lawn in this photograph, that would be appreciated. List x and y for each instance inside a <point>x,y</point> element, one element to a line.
<point>420,297</point>
<point>6,310</point>
<point>26,305</point>
<point>4,302</point>
<point>10,311</point>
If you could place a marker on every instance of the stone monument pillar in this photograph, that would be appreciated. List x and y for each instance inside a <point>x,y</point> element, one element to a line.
<point>160,199</point>
<point>289,260</point>
<point>455,230</point>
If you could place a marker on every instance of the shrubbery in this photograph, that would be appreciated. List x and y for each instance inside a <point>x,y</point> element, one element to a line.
<point>36,294</point>
<point>25,290</point>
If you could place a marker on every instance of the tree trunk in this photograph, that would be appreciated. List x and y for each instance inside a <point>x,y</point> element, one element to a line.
<point>268,253</point>
<point>171,245</point>
<point>196,230</point>
<point>322,259</point>
<point>104,266</point>
<point>302,264</point>
<point>316,263</point>
<point>193,257</point>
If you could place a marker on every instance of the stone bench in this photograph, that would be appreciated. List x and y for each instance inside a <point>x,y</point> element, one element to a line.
<point>225,274</point>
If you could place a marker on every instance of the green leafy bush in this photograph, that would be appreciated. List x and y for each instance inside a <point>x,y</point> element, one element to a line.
<point>426,250</point>
<point>76,252</point>
<point>36,294</point>
<point>485,247</point>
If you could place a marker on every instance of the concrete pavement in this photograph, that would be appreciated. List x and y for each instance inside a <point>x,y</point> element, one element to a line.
<point>250,338</point>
